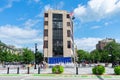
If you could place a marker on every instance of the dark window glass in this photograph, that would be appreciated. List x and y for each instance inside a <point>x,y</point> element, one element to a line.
<point>57,35</point>
<point>46,23</point>
<point>68,33</point>
<point>45,32</point>
<point>68,16</point>
<point>69,44</point>
<point>45,44</point>
<point>68,23</point>
<point>46,14</point>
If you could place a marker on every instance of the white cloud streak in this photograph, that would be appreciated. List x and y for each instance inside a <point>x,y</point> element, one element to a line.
<point>8,5</point>
<point>96,10</point>
<point>95,27</point>
<point>30,23</point>
<point>48,7</point>
<point>87,44</point>
<point>20,37</point>
<point>15,31</point>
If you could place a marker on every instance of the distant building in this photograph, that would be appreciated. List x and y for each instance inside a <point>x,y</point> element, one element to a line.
<point>58,36</point>
<point>101,44</point>
<point>10,48</point>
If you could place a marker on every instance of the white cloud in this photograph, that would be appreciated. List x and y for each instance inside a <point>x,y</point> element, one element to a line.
<point>31,23</point>
<point>8,5</point>
<point>15,31</point>
<point>20,37</point>
<point>39,46</point>
<point>56,6</point>
<point>60,5</point>
<point>48,7</point>
<point>87,44</point>
<point>33,1</point>
<point>36,1</point>
<point>96,10</point>
<point>21,18</point>
<point>106,23</point>
<point>95,27</point>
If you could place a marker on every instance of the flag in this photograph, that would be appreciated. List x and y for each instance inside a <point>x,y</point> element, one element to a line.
<point>72,16</point>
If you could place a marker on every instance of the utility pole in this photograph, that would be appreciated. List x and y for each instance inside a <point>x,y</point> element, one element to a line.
<point>35,54</point>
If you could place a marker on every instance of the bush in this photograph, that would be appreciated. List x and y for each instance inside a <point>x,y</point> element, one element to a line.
<point>58,69</point>
<point>99,69</point>
<point>117,70</point>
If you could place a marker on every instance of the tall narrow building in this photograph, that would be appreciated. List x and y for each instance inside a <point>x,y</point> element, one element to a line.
<point>58,37</point>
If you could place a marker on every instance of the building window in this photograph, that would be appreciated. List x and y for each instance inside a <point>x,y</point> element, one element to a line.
<point>57,37</point>
<point>45,44</point>
<point>68,16</point>
<point>46,14</point>
<point>46,23</point>
<point>46,32</point>
<point>68,33</point>
<point>68,23</point>
<point>68,44</point>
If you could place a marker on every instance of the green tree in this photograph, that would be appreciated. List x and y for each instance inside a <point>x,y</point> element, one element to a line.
<point>82,55</point>
<point>19,57</point>
<point>39,57</point>
<point>95,56</point>
<point>1,55</point>
<point>113,49</point>
<point>9,57</point>
<point>5,56</point>
<point>27,56</point>
<point>105,57</point>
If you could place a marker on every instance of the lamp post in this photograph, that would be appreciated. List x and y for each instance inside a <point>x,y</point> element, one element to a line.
<point>35,55</point>
<point>76,59</point>
<point>111,49</point>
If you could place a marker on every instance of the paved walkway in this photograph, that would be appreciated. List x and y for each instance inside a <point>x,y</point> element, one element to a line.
<point>85,73</point>
<point>57,77</point>
<point>86,70</point>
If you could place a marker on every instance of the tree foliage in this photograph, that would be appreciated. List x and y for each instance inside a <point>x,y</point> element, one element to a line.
<point>7,56</point>
<point>27,56</point>
<point>110,53</point>
<point>39,57</point>
<point>95,56</point>
<point>82,55</point>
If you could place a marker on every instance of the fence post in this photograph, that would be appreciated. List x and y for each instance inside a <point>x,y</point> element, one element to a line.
<point>8,70</point>
<point>76,69</point>
<point>28,70</point>
<point>17,70</point>
<point>38,70</point>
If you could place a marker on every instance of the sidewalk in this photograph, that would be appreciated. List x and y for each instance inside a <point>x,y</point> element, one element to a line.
<point>69,73</point>
<point>62,76</point>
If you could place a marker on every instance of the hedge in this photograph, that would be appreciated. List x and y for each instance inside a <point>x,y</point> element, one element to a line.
<point>58,69</point>
<point>99,70</point>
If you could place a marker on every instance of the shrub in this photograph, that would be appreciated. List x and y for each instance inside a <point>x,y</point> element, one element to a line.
<point>99,69</point>
<point>117,70</point>
<point>58,69</point>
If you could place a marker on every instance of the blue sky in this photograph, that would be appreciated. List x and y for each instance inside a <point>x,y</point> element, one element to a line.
<point>21,21</point>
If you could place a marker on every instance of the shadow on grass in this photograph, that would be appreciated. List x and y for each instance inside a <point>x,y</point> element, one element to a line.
<point>99,76</point>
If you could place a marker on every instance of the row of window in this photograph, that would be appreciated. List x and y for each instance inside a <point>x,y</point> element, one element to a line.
<point>46,33</point>
<point>46,44</point>
<point>67,16</point>
<point>46,23</point>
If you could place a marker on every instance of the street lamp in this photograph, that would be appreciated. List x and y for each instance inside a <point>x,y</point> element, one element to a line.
<point>111,49</point>
<point>76,59</point>
<point>35,55</point>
